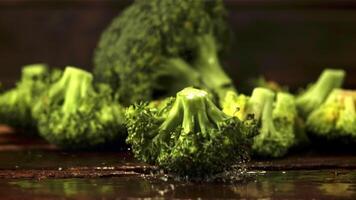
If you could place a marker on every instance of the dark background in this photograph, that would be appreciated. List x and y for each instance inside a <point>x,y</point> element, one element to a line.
<point>289,41</point>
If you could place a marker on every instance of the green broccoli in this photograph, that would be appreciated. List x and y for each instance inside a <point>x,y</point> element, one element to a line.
<point>190,136</point>
<point>156,48</point>
<point>73,115</point>
<point>335,119</point>
<point>16,104</point>
<point>279,126</point>
<point>316,94</point>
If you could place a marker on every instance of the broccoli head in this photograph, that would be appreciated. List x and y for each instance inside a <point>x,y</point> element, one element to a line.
<point>279,127</point>
<point>190,136</point>
<point>73,115</point>
<point>16,104</point>
<point>156,48</point>
<point>335,119</point>
<point>316,94</point>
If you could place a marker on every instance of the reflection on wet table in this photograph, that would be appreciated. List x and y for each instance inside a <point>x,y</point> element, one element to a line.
<point>324,184</point>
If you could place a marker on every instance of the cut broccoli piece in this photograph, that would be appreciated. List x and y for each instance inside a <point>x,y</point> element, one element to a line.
<point>315,95</point>
<point>16,104</point>
<point>190,136</point>
<point>73,115</point>
<point>335,119</point>
<point>279,125</point>
<point>156,48</point>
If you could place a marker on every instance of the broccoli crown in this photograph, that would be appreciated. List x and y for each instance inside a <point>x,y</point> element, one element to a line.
<point>316,94</point>
<point>16,104</point>
<point>156,48</point>
<point>336,117</point>
<point>190,136</point>
<point>73,115</point>
<point>276,114</point>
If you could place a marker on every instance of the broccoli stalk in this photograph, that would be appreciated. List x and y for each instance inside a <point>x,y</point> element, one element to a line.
<point>335,119</point>
<point>73,115</point>
<point>174,75</point>
<point>190,137</point>
<point>16,104</point>
<point>208,65</point>
<point>314,96</point>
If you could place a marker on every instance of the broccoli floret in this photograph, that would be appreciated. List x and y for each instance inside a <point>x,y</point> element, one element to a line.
<point>190,136</point>
<point>335,119</point>
<point>316,94</point>
<point>279,127</point>
<point>73,115</point>
<point>16,104</point>
<point>156,48</point>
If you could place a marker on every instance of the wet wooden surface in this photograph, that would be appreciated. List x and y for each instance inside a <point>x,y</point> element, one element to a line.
<point>30,168</point>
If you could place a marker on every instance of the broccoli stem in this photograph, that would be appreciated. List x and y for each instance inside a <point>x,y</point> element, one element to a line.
<point>267,126</point>
<point>177,76</point>
<point>329,80</point>
<point>74,85</point>
<point>194,110</point>
<point>214,113</point>
<point>207,63</point>
<point>283,104</point>
<point>259,98</point>
<point>316,95</point>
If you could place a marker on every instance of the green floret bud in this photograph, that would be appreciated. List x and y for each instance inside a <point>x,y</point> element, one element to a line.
<point>314,96</point>
<point>191,137</point>
<point>73,115</point>
<point>16,104</point>
<point>335,119</point>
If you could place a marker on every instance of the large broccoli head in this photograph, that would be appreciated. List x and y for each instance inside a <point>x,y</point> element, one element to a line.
<point>279,126</point>
<point>190,136</point>
<point>156,48</point>
<point>316,94</point>
<point>16,104</point>
<point>335,119</point>
<point>73,115</point>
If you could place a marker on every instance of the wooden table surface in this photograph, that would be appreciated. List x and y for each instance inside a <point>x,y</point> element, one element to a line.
<point>30,168</point>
